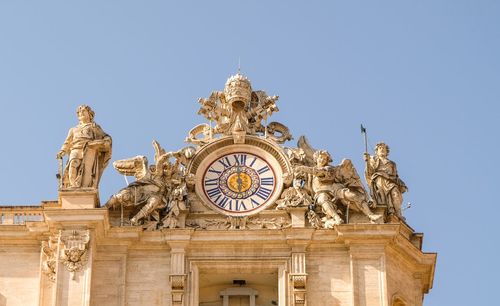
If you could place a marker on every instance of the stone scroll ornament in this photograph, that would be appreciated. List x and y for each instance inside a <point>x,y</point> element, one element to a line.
<point>74,254</point>
<point>89,150</point>
<point>49,259</point>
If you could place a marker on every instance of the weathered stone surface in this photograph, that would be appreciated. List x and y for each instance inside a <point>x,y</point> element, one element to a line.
<point>235,219</point>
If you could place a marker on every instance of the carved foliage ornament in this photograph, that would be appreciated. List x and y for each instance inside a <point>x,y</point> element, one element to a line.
<point>49,259</point>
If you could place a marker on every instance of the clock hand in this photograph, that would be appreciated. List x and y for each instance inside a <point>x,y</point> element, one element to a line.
<point>239,180</point>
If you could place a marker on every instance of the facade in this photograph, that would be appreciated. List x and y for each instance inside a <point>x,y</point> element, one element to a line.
<point>235,218</point>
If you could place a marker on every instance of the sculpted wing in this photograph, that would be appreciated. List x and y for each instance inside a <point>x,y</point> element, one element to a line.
<point>303,143</point>
<point>159,151</point>
<point>348,174</point>
<point>135,166</point>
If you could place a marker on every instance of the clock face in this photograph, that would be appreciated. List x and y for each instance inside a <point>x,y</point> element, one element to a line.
<point>239,183</point>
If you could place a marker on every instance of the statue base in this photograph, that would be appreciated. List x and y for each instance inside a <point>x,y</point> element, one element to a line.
<point>81,198</point>
<point>298,215</point>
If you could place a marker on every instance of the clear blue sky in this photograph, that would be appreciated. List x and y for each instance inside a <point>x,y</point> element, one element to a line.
<point>421,75</point>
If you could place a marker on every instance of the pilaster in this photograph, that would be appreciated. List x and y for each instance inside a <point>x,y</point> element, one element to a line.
<point>368,274</point>
<point>178,274</point>
<point>298,241</point>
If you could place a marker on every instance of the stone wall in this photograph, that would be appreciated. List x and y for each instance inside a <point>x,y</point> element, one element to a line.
<point>19,275</point>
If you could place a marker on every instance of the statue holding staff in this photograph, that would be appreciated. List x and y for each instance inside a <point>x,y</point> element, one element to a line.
<point>382,177</point>
<point>89,151</point>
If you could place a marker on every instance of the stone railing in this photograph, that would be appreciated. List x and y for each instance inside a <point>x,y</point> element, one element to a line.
<point>19,215</point>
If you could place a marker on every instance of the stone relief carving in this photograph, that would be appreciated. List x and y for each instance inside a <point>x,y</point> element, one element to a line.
<point>233,223</point>
<point>238,111</point>
<point>49,259</point>
<point>74,255</point>
<point>268,223</point>
<point>89,150</point>
<point>334,186</point>
<point>382,178</point>
<point>295,196</point>
<point>159,192</point>
<point>160,196</point>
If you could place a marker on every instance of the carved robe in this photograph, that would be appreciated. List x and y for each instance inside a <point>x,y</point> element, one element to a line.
<point>91,159</point>
<point>382,177</point>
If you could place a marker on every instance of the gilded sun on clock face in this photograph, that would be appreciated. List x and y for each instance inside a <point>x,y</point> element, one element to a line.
<point>239,182</point>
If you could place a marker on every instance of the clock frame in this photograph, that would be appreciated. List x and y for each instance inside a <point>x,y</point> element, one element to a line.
<point>239,179</point>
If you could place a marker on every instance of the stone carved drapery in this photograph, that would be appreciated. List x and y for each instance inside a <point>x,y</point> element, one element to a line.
<point>382,177</point>
<point>89,150</point>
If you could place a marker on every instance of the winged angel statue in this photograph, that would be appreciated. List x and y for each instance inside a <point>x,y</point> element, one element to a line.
<point>159,190</point>
<point>333,187</point>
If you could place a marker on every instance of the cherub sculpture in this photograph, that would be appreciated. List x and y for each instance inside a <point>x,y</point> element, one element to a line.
<point>295,196</point>
<point>382,176</point>
<point>74,258</point>
<point>75,246</point>
<point>334,185</point>
<point>150,192</point>
<point>177,203</point>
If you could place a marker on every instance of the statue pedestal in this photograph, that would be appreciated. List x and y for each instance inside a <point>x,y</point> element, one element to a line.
<point>298,215</point>
<point>79,198</point>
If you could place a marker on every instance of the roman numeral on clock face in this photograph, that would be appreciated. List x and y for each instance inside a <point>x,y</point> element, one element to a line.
<point>267,181</point>
<point>240,205</point>
<point>254,203</point>
<point>263,169</point>
<point>240,159</point>
<point>211,182</point>
<point>214,171</point>
<point>225,162</point>
<point>213,192</point>
<point>263,193</point>
<point>239,182</point>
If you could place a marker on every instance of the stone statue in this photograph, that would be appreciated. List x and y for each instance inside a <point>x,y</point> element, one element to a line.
<point>89,151</point>
<point>153,186</point>
<point>382,177</point>
<point>295,196</point>
<point>333,185</point>
<point>238,111</point>
<point>177,203</point>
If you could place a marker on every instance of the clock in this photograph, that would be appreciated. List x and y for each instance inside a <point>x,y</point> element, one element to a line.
<point>239,180</point>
